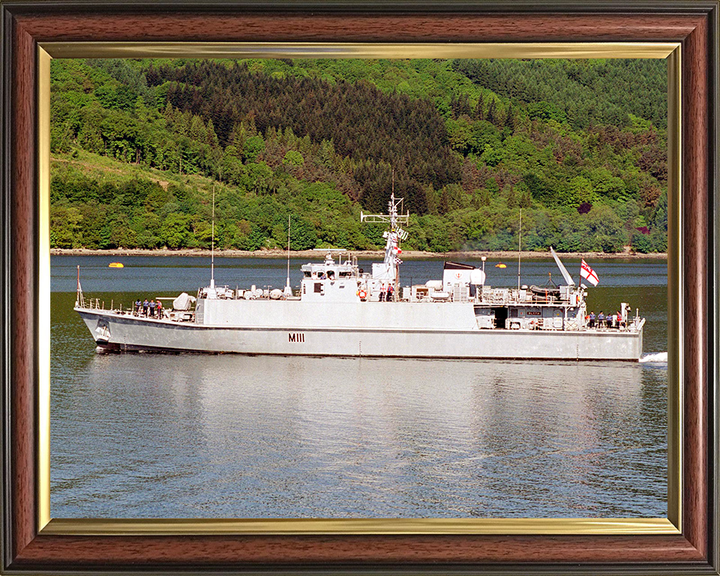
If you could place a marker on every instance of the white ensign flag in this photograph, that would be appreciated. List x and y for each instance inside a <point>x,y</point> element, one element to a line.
<point>588,273</point>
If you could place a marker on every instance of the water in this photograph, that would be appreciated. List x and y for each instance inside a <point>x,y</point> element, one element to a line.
<point>192,436</point>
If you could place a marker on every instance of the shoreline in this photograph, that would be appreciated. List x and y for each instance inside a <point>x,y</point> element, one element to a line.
<point>363,254</point>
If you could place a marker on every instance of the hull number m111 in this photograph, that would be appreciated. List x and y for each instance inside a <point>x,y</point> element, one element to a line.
<point>296,337</point>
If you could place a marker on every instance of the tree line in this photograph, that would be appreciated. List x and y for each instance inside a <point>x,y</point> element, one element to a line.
<point>465,158</point>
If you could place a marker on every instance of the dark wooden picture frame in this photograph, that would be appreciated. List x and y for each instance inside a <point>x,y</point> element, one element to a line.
<point>26,25</point>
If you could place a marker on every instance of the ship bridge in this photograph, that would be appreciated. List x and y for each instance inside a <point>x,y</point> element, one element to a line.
<point>329,269</point>
<point>331,281</point>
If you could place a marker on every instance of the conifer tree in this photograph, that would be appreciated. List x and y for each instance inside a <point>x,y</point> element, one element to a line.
<point>480,108</point>
<point>510,117</point>
<point>492,113</point>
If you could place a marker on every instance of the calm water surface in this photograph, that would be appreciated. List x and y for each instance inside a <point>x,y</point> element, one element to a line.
<point>192,436</point>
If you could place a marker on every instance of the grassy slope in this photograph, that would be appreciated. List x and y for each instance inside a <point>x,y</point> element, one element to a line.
<point>100,167</point>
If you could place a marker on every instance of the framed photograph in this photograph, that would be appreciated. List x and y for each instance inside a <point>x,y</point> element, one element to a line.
<point>685,539</point>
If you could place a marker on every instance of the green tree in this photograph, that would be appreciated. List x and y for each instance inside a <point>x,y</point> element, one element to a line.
<point>641,243</point>
<point>65,227</point>
<point>302,235</point>
<point>175,230</point>
<point>253,146</point>
<point>293,158</point>
<point>578,191</point>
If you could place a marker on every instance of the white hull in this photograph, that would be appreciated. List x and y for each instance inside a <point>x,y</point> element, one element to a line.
<point>399,330</point>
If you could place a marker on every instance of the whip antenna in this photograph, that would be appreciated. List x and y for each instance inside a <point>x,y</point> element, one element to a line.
<point>287,281</point>
<point>519,247</point>
<point>212,242</point>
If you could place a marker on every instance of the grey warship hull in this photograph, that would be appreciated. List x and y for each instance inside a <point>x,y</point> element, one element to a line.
<point>446,330</point>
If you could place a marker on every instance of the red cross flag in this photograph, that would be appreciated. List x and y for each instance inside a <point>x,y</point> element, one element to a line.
<point>588,273</point>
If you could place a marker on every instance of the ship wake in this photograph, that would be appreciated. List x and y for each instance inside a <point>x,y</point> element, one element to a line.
<point>656,358</point>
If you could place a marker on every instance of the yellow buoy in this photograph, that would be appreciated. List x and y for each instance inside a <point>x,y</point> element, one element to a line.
<point>116,265</point>
<point>501,265</point>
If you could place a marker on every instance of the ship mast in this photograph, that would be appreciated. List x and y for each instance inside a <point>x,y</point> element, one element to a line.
<point>212,243</point>
<point>288,290</point>
<point>519,248</point>
<point>392,236</point>
<point>393,210</point>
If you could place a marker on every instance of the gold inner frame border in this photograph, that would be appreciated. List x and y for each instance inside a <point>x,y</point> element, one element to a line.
<point>506,526</point>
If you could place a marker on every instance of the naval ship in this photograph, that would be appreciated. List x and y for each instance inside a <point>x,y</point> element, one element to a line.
<point>342,310</point>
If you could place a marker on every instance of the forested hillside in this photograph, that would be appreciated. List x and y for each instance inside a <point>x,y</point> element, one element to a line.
<point>579,146</point>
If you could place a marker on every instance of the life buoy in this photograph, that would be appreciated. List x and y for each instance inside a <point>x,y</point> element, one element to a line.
<point>362,294</point>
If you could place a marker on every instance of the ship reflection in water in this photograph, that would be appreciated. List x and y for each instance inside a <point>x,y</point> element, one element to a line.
<point>283,437</point>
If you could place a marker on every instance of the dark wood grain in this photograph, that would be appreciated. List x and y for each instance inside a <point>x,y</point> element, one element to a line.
<point>319,550</point>
<point>688,552</point>
<point>22,278</point>
<point>696,128</point>
<point>359,28</point>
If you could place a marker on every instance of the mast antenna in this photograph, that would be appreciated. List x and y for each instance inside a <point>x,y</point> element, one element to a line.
<point>287,281</point>
<point>519,247</point>
<point>392,236</point>
<point>212,242</point>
